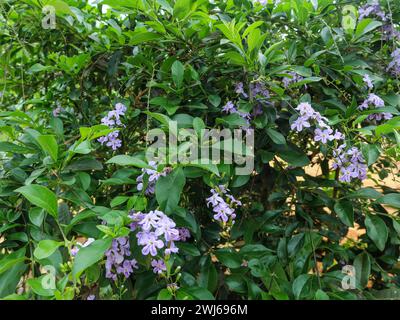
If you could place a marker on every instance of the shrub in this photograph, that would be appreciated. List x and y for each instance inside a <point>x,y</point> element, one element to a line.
<point>313,88</point>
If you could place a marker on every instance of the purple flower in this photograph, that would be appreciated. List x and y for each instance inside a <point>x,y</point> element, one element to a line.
<point>373,8</point>
<point>323,135</point>
<point>149,220</point>
<point>258,89</point>
<point>184,234</point>
<point>367,80</point>
<point>57,111</point>
<point>215,198</point>
<point>151,244</point>
<point>158,266</point>
<point>172,248</point>
<point>169,232</point>
<point>107,121</point>
<point>91,297</point>
<point>364,105</point>
<point>120,109</point>
<point>351,164</point>
<point>116,262</point>
<point>229,107</point>
<point>223,212</point>
<point>375,100</point>
<point>345,174</point>
<point>305,109</point>
<point>114,144</point>
<point>293,78</point>
<point>112,119</point>
<point>239,89</point>
<point>155,231</point>
<point>300,123</point>
<point>394,65</point>
<point>338,135</point>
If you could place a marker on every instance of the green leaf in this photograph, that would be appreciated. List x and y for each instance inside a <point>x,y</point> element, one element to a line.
<point>376,230</point>
<point>188,248</point>
<point>229,258</point>
<point>177,70</point>
<point>49,145</point>
<point>168,190</point>
<point>169,105</point>
<point>14,148</point>
<point>364,193</point>
<point>36,216</point>
<point>38,286</point>
<point>365,26</point>
<point>11,259</point>
<point>182,8</point>
<point>208,277</point>
<point>118,200</point>
<point>46,248</point>
<point>299,285</point>
<point>390,199</point>
<point>321,295</point>
<point>200,293</point>
<point>140,36</point>
<point>61,7</point>
<point>345,212</point>
<point>305,81</point>
<point>371,152</point>
<point>164,294</point>
<point>208,167</point>
<point>294,158</point>
<point>89,255</point>
<point>276,136</point>
<point>362,265</point>
<point>10,279</point>
<point>124,160</point>
<point>41,197</point>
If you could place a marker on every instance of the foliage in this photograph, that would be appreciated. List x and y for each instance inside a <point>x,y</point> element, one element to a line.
<point>75,182</point>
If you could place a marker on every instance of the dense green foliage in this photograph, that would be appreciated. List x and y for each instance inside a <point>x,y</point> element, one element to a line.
<point>183,60</point>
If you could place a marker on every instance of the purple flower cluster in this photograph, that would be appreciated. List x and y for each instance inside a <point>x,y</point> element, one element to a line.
<point>229,107</point>
<point>184,234</point>
<point>57,110</point>
<point>156,231</point>
<point>258,91</point>
<point>394,65</point>
<point>367,80</point>
<point>224,209</point>
<point>389,32</point>
<point>372,9</point>
<point>117,262</point>
<point>158,266</point>
<point>376,102</point>
<point>113,119</point>
<point>351,163</point>
<point>307,116</point>
<point>157,234</point>
<point>153,176</point>
<point>294,78</point>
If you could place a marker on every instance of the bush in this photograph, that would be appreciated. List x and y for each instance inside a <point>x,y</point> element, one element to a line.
<point>305,210</point>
